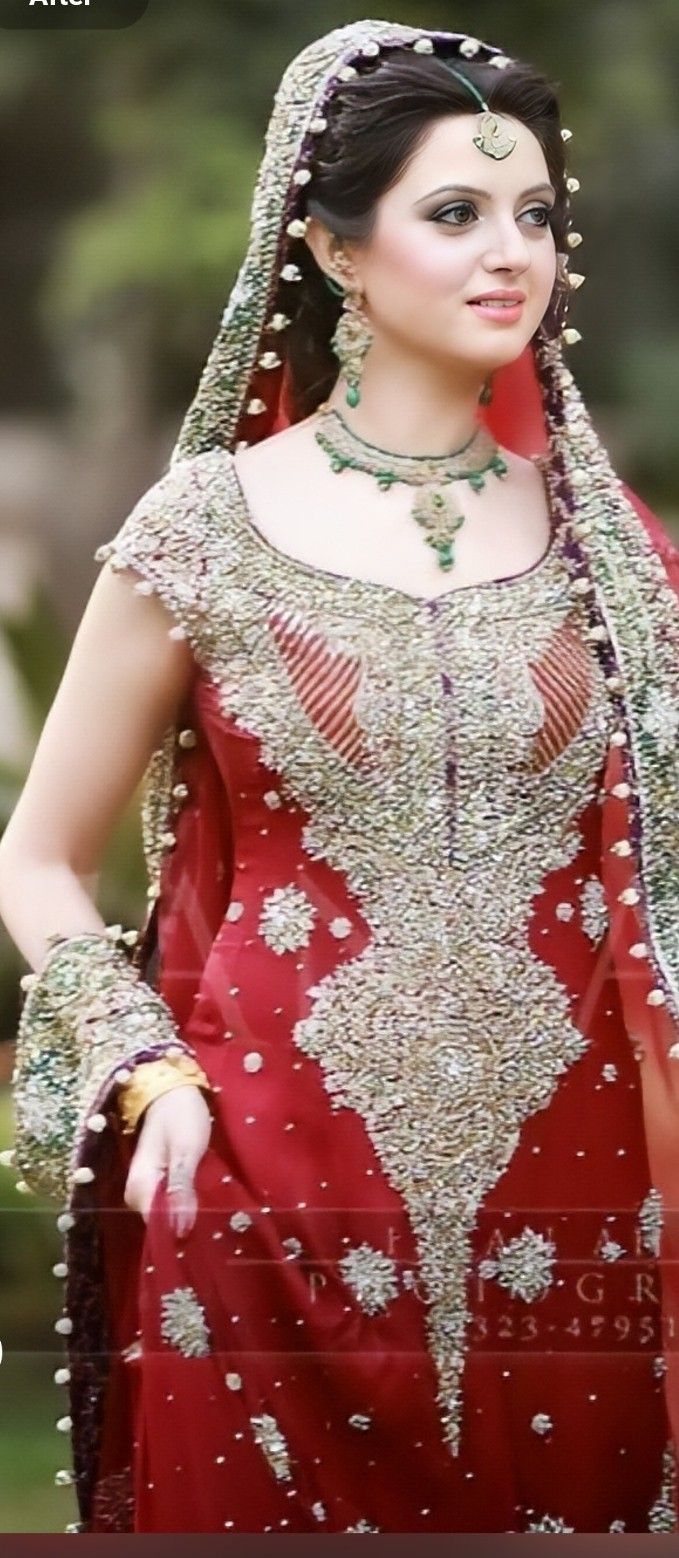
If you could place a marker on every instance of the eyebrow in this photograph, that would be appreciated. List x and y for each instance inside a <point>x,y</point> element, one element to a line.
<point>468,189</point>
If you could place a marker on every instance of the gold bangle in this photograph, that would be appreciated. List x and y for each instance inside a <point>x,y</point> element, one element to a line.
<point>150,1079</point>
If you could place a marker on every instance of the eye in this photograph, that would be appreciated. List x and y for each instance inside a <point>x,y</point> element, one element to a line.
<point>542,212</point>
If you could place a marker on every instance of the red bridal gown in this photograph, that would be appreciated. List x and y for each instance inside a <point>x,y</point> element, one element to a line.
<point>421,1291</point>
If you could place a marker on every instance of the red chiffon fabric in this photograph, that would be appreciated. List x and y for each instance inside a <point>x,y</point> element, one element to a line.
<point>565,1420</point>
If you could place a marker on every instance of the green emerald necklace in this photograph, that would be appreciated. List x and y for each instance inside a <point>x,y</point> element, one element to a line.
<point>434,509</point>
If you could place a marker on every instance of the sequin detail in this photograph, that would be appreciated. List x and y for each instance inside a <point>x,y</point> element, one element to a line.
<point>593,909</point>
<point>524,1265</point>
<point>183,1322</point>
<point>651,1221</point>
<point>662,1515</point>
<point>371,1275</point>
<point>287,919</point>
<point>273,1444</point>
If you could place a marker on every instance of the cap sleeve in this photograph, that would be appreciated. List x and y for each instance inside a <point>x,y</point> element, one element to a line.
<point>171,539</point>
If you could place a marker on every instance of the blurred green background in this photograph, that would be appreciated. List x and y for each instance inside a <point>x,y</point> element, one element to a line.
<point>130,159</point>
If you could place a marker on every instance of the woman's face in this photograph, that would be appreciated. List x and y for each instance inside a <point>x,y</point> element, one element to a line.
<point>435,246</point>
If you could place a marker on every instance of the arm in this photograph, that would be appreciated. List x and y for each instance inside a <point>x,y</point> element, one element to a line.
<point>123,684</point>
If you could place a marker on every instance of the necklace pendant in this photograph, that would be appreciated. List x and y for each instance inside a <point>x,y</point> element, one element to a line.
<point>440,520</point>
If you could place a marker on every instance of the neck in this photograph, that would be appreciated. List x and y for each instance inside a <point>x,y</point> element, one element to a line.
<point>409,410</point>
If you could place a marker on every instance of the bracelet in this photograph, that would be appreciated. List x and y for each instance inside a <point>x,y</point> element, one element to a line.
<point>150,1079</point>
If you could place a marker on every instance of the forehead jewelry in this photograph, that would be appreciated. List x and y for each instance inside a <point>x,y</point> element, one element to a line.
<point>493,135</point>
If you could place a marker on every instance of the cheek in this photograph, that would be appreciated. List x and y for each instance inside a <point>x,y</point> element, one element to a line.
<point>418,261</point>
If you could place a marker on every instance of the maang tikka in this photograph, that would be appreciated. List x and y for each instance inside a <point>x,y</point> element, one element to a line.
<point>352,335</point>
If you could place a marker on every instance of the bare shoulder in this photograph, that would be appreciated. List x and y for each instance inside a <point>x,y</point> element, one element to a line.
<point>278,448</point>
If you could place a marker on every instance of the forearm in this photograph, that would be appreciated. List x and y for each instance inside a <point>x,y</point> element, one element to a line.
<point>41,898</point>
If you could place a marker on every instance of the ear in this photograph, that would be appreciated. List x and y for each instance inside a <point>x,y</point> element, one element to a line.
<point>330,253</point>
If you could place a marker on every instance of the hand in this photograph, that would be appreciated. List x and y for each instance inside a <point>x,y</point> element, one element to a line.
<point>174,1135</point>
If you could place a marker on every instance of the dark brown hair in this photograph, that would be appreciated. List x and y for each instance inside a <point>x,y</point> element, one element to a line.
<point>375,125</point>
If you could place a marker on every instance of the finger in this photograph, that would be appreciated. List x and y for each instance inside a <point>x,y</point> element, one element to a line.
<point>181,1193</point>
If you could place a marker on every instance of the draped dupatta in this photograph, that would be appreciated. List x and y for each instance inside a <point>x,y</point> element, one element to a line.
<point>626,568</point>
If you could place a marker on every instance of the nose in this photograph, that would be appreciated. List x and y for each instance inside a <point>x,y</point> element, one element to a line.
<point>510,250</point>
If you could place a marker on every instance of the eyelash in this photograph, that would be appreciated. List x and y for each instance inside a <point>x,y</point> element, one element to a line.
<point>545,210</point>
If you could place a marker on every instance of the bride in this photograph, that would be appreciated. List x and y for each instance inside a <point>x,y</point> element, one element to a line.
<point>365,1141</point>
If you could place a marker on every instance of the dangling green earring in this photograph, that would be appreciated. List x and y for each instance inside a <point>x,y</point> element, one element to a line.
<point>486,394</point>
<point>351,338</point>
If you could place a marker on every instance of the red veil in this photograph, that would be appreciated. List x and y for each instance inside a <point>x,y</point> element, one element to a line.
<point>628,570</point>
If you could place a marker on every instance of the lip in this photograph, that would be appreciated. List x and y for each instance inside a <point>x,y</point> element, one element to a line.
<point>513,294</point>
<point>509,312</point>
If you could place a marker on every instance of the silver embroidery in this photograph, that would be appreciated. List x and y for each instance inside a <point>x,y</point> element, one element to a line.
<point>371,1275</point>
<point>660,719</point>
<point>661,1515</point>
<point>593,909</point>
<point>549,1523</point>
<point>608,1248</point>
<point>651,1221</point>
<point>184,1324</point>
<point>363,1525</point>
<point>542,1423</point>
<point>273,1445</point>
<point>287,919</point>
<point>524,1265</point>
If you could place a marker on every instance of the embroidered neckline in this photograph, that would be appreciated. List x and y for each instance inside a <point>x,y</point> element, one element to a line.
<point>375,588</point>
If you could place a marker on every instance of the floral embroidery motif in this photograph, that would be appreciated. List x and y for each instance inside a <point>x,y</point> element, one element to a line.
<point>542,1423</point>
<point>593,909</point>
<point>617,1526</point>
<point>363,1525</point>
<point>609,1072</point>
<point>184,1324</point>
<point>360,1420</point>
<point>273,1445</point>
<point>651,1221</point>
<point>371,1275</point>
<point>524,1265</point>
<point>287,919</point>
